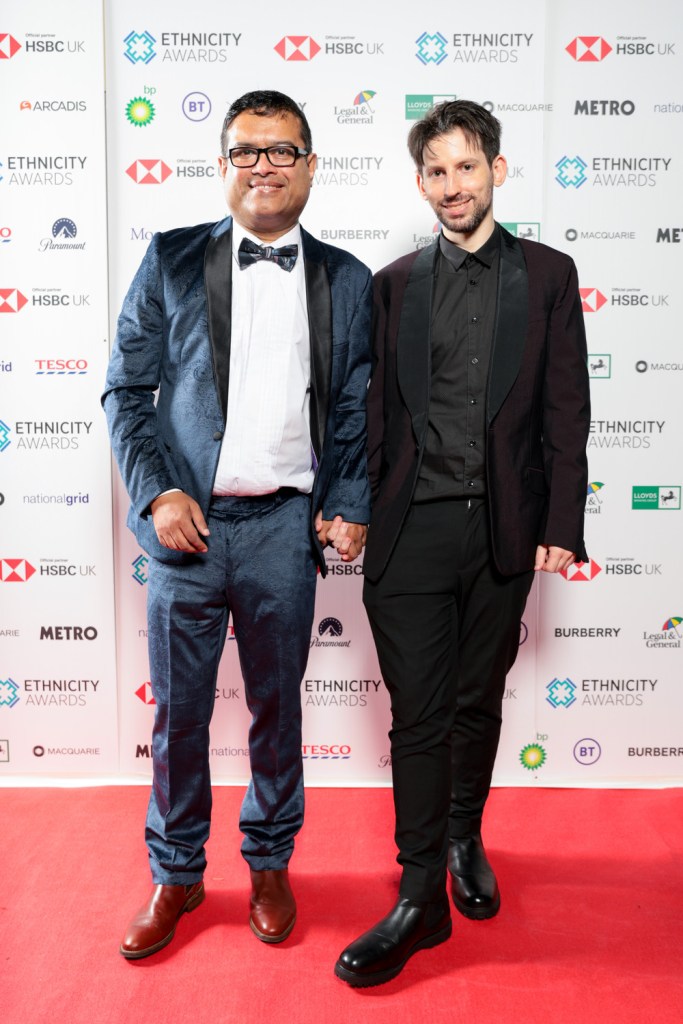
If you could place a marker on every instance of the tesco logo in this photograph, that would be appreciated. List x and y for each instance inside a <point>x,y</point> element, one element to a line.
<point>61,366</point>
<point>325,751</point>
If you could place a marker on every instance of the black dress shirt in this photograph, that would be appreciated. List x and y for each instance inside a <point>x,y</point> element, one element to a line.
<point>463,312</point>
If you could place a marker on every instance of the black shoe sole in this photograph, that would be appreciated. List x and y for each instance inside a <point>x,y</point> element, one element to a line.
<point>140,954</point>
<point>476,913</point>
<point>381,977</point>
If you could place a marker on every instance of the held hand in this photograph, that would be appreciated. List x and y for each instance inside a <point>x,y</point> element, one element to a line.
<point>179,522</point>
<point>552,559</point>
<point>347,538</point>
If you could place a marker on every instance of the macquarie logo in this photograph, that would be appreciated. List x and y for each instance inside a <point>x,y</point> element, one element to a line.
<point>592,299</point>
<point>297,48</point>
<point>588,49</point>
<point>149,172</point>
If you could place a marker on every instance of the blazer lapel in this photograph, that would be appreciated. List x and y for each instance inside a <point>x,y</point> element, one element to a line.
<point>319,300</point>
<point>218,283</point>
<point>509,333</point>
<point>413,344</point>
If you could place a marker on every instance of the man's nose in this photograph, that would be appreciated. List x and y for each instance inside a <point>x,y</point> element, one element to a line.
<point>263,165</point>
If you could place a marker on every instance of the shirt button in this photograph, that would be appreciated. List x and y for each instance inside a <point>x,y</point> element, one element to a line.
<point>218,436</point>
<point>475,361</point>
<point>470,483</point>
<point>472,444</point>
<point>473,401</point>
<point>474,320</point>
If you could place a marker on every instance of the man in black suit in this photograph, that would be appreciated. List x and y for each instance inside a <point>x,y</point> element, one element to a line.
<point>478,416</point>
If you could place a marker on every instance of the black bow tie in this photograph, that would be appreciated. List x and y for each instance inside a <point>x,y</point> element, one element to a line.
<point>250,253</point>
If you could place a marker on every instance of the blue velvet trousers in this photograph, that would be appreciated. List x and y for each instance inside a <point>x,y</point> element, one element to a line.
<point>259,567</point>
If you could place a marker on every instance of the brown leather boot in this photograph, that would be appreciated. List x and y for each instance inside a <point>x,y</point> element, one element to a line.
<point>154,925</point>
<point>273,908</point>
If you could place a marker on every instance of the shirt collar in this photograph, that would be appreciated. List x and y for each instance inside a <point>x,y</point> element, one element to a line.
<point>485,254</point>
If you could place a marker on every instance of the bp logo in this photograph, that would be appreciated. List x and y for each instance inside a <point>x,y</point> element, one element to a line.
<point>533,756</point>
<point>571,172</point>
<point>140,111</point>
<point>9,693</point>
<point>139,47</point>
<point>561,693</point>
<point>431,49</point>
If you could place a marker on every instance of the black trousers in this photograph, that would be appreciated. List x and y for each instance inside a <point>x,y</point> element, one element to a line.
<point>446,627</point>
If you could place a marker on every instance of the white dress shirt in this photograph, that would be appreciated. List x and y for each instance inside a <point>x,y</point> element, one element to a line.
<point>267,439</point>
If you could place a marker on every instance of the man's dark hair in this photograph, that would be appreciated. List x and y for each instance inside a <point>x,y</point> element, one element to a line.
<point>480,128</point>
<point>266,103</point>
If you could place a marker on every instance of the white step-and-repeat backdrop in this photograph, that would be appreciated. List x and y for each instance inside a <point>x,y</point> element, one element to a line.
<point>110,131</point>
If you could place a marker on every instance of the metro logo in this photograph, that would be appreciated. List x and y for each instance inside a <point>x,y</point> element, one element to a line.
<point>591,300</point>
<point>11,300</point>
<point>149,172</point>
<point>15,570</point>
<point>8,46</point>
<point>297,48</point>
<point>588,48</point>
<point>581,572</point>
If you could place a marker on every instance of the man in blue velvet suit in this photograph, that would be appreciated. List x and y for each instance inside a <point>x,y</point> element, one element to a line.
<point>251,459</point>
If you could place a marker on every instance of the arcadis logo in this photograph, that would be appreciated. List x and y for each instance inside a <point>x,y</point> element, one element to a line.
<point>149,172</point>
<point>15,570</point>
<point>11,300</point>
<point>592,299</point>
<point>431,49</point>
<point>297,48</point>
<point>586,49</point>
<point>581,572</point>
<point>8,46</point>
<point>139,47</point>
<point>9,693</point>
<point>145,694</point>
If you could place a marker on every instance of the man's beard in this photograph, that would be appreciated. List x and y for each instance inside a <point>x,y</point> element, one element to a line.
<point>467,225</point>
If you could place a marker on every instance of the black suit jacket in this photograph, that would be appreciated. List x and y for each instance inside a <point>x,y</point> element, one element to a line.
<point>537,406</point>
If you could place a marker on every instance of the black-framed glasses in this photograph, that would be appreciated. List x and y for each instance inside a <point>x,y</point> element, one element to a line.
<point>278,156</point>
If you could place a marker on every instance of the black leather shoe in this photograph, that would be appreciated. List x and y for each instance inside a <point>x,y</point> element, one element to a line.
<point>382,953</point>
<point>473,884</point>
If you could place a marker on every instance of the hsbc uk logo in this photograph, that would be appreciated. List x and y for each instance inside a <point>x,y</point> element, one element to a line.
<point>297,48</point>
<point>571,172</point>
<point>581,572</point>
<point>587,49</point>
<point>11,300</point>
<point>15,570</point>
<point>561,693</point>
<point>8,46</point>
<point>149,172</point>
<point>431,49</point>
<point>139,573</point>
<point>591,299</point>
<point>9,693</point>
<point>139,47</point>
<point>145,694</point>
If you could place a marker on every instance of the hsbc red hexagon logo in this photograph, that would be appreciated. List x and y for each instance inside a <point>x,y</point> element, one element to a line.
<point>145,694</point>
<point>581,572</point>
<point>11,300</point>
<point>591,300</point>
<point>149,172</point>
<point>15,570</point>
<point>297,48</point>
<point>8,46</point>
<point>588,48</point>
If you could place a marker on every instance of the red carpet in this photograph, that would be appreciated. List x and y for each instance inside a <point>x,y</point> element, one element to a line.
<point>589,930</point>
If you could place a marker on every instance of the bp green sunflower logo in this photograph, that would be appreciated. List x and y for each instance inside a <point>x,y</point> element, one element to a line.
<point>140,111</point>
<point>532,756</point>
